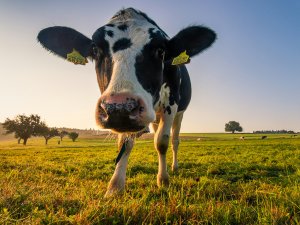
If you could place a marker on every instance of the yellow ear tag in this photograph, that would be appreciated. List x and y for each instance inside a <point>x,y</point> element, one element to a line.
<point>181,59</point>
<point>76,58</point>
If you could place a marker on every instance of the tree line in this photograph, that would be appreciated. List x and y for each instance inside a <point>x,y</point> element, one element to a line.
<point>25,127</point>
<point>233,126</point>
<point>274,132</point>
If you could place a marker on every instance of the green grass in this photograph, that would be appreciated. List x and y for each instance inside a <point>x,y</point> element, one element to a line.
<point>222,180</point>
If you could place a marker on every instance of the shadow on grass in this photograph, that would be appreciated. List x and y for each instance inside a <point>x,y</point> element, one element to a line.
<point>249,173</point>
<point>136,169</point>
<point>234,172</point>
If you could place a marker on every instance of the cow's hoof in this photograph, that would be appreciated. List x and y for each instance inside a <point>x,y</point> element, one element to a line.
<point>112,193</point>
<point>115,187</point>
<point>163,181</point>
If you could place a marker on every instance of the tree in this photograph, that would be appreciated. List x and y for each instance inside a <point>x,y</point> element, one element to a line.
<point>23,126</point>
<point>73,136</point>
<point>10,126</point>
<point>62,134</point>
<point>47,132</point>
<point>19,139</point>
<point>233,126</point>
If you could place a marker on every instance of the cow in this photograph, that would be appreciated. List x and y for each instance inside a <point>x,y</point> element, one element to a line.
<point>142,77</point>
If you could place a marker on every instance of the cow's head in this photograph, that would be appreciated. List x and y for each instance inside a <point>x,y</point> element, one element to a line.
<point>130,53</point>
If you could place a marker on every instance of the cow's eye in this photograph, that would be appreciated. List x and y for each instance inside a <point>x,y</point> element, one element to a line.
<point>160,53</point>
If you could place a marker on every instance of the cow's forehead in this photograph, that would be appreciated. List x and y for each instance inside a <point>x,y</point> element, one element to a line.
<point>129,28</point>
<point>129,14</point>
<point>129,34</point>
<point>134,17</point>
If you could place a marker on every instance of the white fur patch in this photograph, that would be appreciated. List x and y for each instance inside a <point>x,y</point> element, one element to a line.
<point>123,77</point>
<point>164,94</point>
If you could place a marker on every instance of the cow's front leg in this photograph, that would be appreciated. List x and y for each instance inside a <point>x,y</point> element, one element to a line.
<point>161,142</point>
<point>175,138</point>
<point>117,182</point>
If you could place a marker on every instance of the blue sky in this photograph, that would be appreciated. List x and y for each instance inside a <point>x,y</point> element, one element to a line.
<point>251,74</point>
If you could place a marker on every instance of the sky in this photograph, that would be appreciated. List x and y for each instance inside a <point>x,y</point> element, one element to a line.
<point>251,74</point>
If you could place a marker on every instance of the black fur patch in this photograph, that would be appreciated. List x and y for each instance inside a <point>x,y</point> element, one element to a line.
<point>168,110</point>
<point>122,44</point>
<point>104,63</point>
<point>157,34</point>
<point>99,40</point>
<point>110,33</point>
<point>149,71</point>
<point>185,89</point>
<point>123,27</point>
<point>171,99</point>
<point>162,146</point>
<point>110,25</point>
<point>172,79</point>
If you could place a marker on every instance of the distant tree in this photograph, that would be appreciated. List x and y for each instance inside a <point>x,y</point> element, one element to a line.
<point>233,126</point>
<point>62,134</point>
<point>47,132</point>
<point>23,126</point>
<point>11,127</point>
<point>73,136</point>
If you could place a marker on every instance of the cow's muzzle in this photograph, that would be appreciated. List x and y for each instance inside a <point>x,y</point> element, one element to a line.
<point>121,112</point>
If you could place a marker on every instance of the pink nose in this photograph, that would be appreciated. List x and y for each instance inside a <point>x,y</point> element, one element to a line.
<point>121,112</point>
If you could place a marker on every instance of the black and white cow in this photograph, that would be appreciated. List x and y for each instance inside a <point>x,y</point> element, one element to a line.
<point>142,78</point>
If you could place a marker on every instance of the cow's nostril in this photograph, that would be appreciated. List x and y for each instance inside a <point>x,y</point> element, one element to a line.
<point>103,111</point>
<point>134,109</point>
<point>141,109</point>
<point>131,104</point>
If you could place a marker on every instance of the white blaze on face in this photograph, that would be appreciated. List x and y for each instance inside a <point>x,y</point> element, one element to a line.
<point>124,79</point>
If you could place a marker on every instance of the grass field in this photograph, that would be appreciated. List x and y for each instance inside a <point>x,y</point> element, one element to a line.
<point>222,180</point>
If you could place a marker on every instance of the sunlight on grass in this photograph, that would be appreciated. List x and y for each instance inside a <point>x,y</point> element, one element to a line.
<point>221,180</point>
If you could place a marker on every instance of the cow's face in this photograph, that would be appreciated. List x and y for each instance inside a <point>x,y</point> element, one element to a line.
<point>130,53</point>
<point>129,64</point>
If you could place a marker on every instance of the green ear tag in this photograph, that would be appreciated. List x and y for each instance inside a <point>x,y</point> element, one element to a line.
<point>76,58</point>
<point>181,59</point>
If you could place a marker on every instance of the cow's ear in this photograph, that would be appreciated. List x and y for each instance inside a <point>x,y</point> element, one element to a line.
<point>67,43</point>
<point>188,43</point>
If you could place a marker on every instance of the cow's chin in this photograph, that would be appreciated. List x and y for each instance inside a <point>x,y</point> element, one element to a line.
<point>126,130</point>
<point>121,124</point>
<point>123,128</point>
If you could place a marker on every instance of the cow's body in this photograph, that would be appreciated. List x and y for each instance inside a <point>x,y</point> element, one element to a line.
<point>138,79</point>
